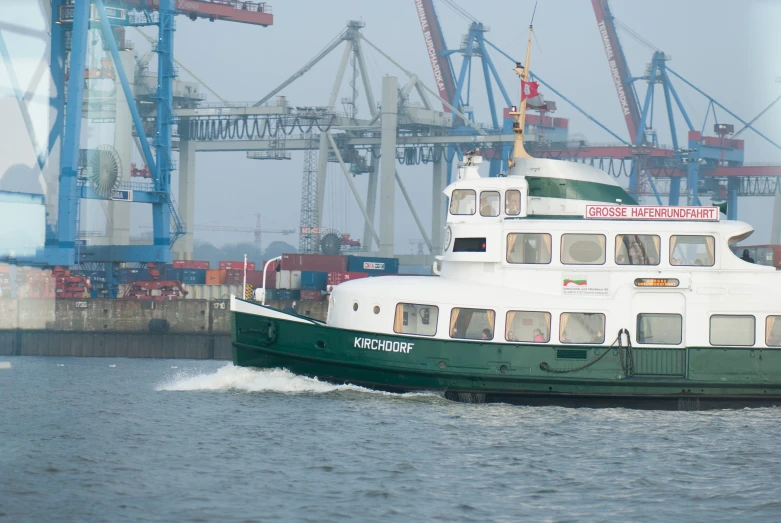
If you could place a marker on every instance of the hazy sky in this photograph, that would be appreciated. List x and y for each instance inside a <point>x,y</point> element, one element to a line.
<point>729,49</point>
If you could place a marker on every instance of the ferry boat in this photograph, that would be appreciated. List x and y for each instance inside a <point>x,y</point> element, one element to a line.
<point>555,288</point>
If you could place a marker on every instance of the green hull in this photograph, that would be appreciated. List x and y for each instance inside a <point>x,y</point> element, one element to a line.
<point>472,371</point>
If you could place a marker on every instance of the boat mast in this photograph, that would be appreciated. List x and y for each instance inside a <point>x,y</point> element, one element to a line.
<point>520,115</point>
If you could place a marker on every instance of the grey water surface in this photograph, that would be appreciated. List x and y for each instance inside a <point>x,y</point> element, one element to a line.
<point>174,440</point>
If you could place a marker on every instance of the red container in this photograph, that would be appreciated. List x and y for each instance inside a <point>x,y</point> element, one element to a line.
<point>190,264</point>
<point>236,266</point>
<point>235,277</point>
<point>335,278</point>
<point>314,262</point>
<point>310,295</point>
<point>255,278</point>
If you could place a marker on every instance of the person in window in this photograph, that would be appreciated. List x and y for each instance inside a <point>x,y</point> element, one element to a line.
<point>676,261</point>
<point>652,260</point>
<point>747,257</point>
<point>636,254</point>
<point>485,206</point>
<point>511,336</point>
<point>487,335</point>
<point>538,337</point>
<point>698,262</point>
<point>513,204</point>
<point>621,260</point>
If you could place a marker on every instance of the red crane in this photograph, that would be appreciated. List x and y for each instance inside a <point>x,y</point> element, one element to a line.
<point>619,70</point>
<point>436,48</point>
<point>255,13</point>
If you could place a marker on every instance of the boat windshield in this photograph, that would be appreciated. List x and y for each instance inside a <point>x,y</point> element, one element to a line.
<point>577,190</point>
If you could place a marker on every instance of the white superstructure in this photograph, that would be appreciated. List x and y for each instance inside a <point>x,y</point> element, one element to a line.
<point>523,262</point>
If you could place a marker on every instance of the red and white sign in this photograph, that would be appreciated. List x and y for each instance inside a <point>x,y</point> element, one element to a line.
<point>651,212</point>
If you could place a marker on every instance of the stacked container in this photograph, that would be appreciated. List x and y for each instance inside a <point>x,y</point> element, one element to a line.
<point>190,264</point>
<point>335,278</point>
<point>216,276</point>
<point>236,266</point>
<point>372,265</point>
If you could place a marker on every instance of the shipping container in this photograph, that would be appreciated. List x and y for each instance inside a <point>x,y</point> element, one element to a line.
<point>212,292</point>
<point>295,280</point>
<point>236,266</point>
<point>314,262</point>
<point>311,295</point>
<point>190,264</point>
<point>335,278</point>
<point>314,281</point>
<point>192,276</point>
<point>234,277</point>
<point>287,294</point>
<point>283,279</point>
<point>131,275</point>
<point>372,265</point>
<point>216,277</point>
<point>255,278</point>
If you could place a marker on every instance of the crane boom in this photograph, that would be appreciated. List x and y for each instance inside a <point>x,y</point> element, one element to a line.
<point>435,47</point>
<point>619,69</point>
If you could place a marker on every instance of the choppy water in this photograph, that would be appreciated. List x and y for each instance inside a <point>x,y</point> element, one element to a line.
<point>149,440</point>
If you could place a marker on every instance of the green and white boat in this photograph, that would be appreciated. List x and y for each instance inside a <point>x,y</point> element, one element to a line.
<point>555,288</point>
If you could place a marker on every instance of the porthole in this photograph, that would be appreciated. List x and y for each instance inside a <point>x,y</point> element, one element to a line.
<point>355,305</point>
<point>376,309</point>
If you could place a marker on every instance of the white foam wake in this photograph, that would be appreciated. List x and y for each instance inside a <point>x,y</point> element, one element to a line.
<point>231,377</point>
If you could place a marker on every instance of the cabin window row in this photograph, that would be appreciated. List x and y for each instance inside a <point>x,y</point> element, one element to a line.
<point>463,202</point>
<point>630,249</point>
<point>578,327</point>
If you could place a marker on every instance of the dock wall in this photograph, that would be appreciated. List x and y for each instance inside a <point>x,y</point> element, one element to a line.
<point>191,329</point>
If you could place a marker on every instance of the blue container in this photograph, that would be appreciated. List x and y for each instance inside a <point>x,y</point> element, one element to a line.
<point>173,274</point>
<point>288,294</point>
<point>314,281</point>
<point>194,276</point>
<point>373,266</point>
<point>126,276</point>
<point>271,294</point>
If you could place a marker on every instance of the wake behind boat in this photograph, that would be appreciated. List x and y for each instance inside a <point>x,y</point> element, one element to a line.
<point>555,287</point>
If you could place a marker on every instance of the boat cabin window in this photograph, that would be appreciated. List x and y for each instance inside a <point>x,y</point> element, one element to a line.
<point>462,202</point>
<point>659,329</point>
<point>512,202</point>
<point>527,326</point>
<point>637,249</point>
<point>469,245</point>
<point>773,331</point>
<point>582,327</point>
<point>472,324</point>
<point>412,318</point>
<point>692,250</point>
<point>528,247</point>
<point>732,331</point>
<point>583,249</point>
<point>489,203</point>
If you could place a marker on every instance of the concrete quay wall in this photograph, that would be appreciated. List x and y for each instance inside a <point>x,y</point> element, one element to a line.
<point>191,329</point>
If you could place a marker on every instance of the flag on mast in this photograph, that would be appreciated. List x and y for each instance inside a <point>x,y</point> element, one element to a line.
<point>529,90</point>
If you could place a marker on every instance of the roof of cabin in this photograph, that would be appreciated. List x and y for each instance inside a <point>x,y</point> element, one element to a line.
<point>548,168</point>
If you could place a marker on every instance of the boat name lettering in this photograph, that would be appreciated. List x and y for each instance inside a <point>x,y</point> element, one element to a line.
<point>651,212</point>
<point>386,345</point>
